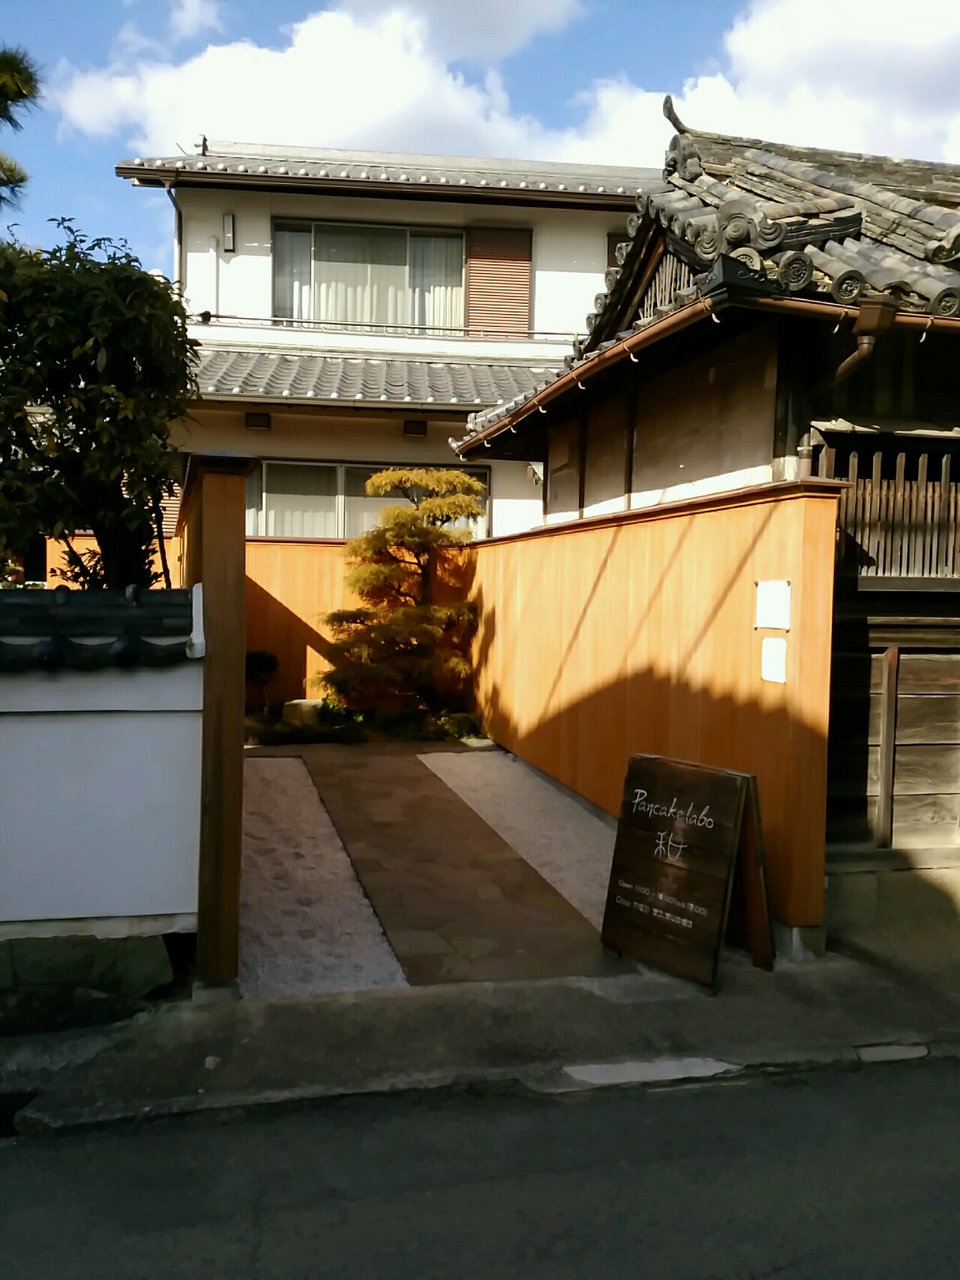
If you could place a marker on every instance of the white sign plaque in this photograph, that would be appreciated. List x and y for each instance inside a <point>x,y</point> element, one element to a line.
<point>773,605</point>
<point>773,659</point>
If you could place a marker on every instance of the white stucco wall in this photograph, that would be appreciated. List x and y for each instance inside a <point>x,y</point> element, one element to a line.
<point>569,247</point>
<point>324,435</point>
<point>100,794</point>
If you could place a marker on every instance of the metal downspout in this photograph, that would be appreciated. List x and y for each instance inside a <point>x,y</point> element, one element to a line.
<point>873,318</point>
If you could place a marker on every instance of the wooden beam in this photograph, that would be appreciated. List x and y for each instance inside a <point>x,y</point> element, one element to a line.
<point>582,462</point>
<point>221,566</point>
<point>630,429</point>
<point>888,737</point>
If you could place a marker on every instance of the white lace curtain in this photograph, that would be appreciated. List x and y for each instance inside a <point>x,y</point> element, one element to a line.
<point>300,501</point>
<point>292,249</point>
<point>436,281</point>
<point>379,276</point>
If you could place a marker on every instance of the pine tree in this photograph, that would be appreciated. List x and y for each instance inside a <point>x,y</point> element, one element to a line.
<point>19,86</point>
<point>405,648</point>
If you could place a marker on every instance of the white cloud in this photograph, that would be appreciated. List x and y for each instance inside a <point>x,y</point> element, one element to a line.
<point>853,75</point>
<point>339,81</point>
<point>189,17</point>
<point>476,30</point>
<point>858,75</point>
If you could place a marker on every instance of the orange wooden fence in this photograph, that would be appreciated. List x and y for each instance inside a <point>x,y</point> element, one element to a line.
<point>291,585</point>
<point>635,633</point>
<point>629,633</point>
<point>83,542</point>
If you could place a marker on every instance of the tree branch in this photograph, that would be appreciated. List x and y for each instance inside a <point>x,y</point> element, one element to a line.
<point>161,544</point>
<point>75,560</point>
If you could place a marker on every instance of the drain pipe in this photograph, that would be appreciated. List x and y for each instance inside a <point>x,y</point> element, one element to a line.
<point>874,317</point>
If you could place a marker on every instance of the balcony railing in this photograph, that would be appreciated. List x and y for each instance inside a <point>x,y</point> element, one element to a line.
<point>385,330</point>
<point>898,519</point>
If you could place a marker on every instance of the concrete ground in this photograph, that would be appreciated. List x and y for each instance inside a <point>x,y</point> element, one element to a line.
<point>894,993</point>
<point>551,1035</point>
<point>828,1175</point>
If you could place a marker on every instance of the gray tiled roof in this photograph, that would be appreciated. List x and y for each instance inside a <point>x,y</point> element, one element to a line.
<point>806,221</point>
<point>236,164</point>
<point>90,630</point>
<point>382,380</point>
<point>794,220</point>
<point>928,181</point>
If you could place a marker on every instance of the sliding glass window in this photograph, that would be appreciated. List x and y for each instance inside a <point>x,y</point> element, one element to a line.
<point>377,277</point>
<point>323,500</point>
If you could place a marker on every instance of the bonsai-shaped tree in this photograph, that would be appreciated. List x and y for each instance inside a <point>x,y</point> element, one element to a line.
<point>405,648</point>
<point>95,362</point>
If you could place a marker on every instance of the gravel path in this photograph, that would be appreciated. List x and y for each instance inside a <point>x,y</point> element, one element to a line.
<point>306,924</point>
<point>570,847</point>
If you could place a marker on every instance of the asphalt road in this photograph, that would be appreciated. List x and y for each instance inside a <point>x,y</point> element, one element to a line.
<point>828,1176</point>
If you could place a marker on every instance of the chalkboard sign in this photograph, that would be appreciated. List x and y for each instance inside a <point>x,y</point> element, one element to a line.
<point>688,837</point>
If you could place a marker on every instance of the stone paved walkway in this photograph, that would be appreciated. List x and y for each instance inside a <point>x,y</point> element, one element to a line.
<point>306,926</point>
<point>455,901</point>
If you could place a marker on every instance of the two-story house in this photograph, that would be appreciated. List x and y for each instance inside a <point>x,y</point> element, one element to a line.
<point>354,308</point>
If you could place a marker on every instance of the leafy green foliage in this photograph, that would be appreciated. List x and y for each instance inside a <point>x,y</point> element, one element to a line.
<point>95,362</point>
<point>404,648</point>
<point>19,86</point>
<point>11,573</point>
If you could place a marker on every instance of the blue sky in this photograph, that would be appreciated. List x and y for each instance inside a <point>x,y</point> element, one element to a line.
<point>551,79</point>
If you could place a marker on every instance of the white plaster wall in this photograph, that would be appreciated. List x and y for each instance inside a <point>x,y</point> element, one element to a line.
<point>539,354</point>
<point>322,435</point>
<point>726,482</point>
<point>100,794</point>
<point>517,499</point>
<point>569,247</point>
<point>569,261</point>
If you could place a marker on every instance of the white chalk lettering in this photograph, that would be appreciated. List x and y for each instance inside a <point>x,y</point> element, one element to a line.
<point>668,848</point>
<point>652,809</point>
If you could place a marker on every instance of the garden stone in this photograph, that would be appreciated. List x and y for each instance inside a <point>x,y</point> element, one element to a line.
<point>131,966</point>
<point>125,966</point>
<point>52,962</point>
<point>301,711</point>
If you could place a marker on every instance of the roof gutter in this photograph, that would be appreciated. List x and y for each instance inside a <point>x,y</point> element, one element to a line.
<point>237,400</point>
<point>685,316</point>
<point>606,201</point>
<point>838,311</point>
<point>691,314</point>
<point>874,318</point>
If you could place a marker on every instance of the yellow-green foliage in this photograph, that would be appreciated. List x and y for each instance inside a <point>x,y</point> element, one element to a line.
<point>402,645</point>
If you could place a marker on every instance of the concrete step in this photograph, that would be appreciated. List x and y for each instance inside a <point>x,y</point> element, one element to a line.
<point>868,887</point>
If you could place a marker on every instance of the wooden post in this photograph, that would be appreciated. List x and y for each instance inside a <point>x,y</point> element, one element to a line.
<point>888,750</point>
<point>217,497</point>
<point>581,464</point>
<point>630,441</point>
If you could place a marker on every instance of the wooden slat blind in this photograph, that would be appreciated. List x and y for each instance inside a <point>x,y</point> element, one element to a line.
<point>499,280</point>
